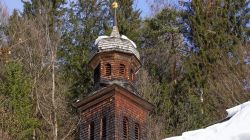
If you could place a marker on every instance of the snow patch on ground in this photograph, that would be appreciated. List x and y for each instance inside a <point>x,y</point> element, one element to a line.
<point>236,128</point>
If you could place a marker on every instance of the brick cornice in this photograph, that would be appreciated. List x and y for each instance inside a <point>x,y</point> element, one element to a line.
<point>109,92</point>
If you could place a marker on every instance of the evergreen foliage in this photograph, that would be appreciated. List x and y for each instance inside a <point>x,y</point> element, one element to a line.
<point>20,121</point>
<point>185,69</point>
<point>84,24</point>
<point>163,42</point>
<point>216,34</point>
<point>53,8</point>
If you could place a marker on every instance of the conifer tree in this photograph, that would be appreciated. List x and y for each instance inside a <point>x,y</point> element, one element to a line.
<point>215,35</point>
<point>215,31</point>
<point>15,86</point>
<point>190,92</point>
<point>52,9</point>
<point>162,52</point>
<point>83,22</point>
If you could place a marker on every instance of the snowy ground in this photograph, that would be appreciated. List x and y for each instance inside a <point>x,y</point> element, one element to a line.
<point>236,128</point>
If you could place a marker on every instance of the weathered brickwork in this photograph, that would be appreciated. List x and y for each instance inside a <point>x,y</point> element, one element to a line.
<point>115,70</point>
<point>131,63</point>
<point>95,114</point>
<point>135,114</point>
<point>114,108</point>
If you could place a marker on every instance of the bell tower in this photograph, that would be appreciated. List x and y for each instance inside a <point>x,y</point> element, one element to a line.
<point>115,110</point>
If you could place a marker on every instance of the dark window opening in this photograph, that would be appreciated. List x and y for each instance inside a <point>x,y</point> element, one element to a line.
<point>131,75</point>
<point>125,128</point>
<point>137,131</point>
<point>92,131</point>
<point>97,74</point>
<point>103,128</point>
<point>108,69</point>
<point>122,69</point>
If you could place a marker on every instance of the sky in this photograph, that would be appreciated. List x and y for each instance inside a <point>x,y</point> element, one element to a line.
<point>11,4</point>
<point>139,4</point>
<point>143,6</point>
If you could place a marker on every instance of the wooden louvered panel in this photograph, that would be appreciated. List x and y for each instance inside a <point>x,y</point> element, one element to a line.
<point>122,69</point>
<point>137,131</point>
<point>108,69</point>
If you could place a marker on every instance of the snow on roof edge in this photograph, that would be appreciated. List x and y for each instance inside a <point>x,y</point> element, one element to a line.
<point>123,37</point>
<point>100,38</point>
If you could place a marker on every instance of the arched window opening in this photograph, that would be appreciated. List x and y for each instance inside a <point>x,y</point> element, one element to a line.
<point>132,75</point>
<point>91,131</point>
<point>122,69</point>
<point>137,131</point>
<point>125,128</point>
<point>97,74</point>
<point>103,128</point>
<point>108,69</point>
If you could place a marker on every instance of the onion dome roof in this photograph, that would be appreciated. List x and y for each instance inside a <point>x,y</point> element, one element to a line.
<point>116,42</point>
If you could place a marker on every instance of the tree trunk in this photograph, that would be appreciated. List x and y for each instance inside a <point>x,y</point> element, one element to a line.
<point>54,114</point>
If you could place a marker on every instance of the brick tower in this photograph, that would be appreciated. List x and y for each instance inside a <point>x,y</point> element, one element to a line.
<point>115,110</point>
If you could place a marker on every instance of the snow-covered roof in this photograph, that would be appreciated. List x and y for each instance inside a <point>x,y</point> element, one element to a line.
<point>116,42</point>
<point>236,128</point>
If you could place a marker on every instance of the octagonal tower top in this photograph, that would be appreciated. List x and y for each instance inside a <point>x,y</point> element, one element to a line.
<point>114,59</point>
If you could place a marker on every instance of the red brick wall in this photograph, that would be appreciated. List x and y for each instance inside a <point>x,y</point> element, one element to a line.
<point>115,69</point>
<point>96,113</point>
<point>114,109</point>
<point>115,59</point>
<point>134,113</point>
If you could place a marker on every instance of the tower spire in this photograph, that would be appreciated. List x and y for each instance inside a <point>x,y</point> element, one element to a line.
<point>115,6</point>
<point>115,31</point>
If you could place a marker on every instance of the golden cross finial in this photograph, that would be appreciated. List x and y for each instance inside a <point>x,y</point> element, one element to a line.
<point>115,5</point>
